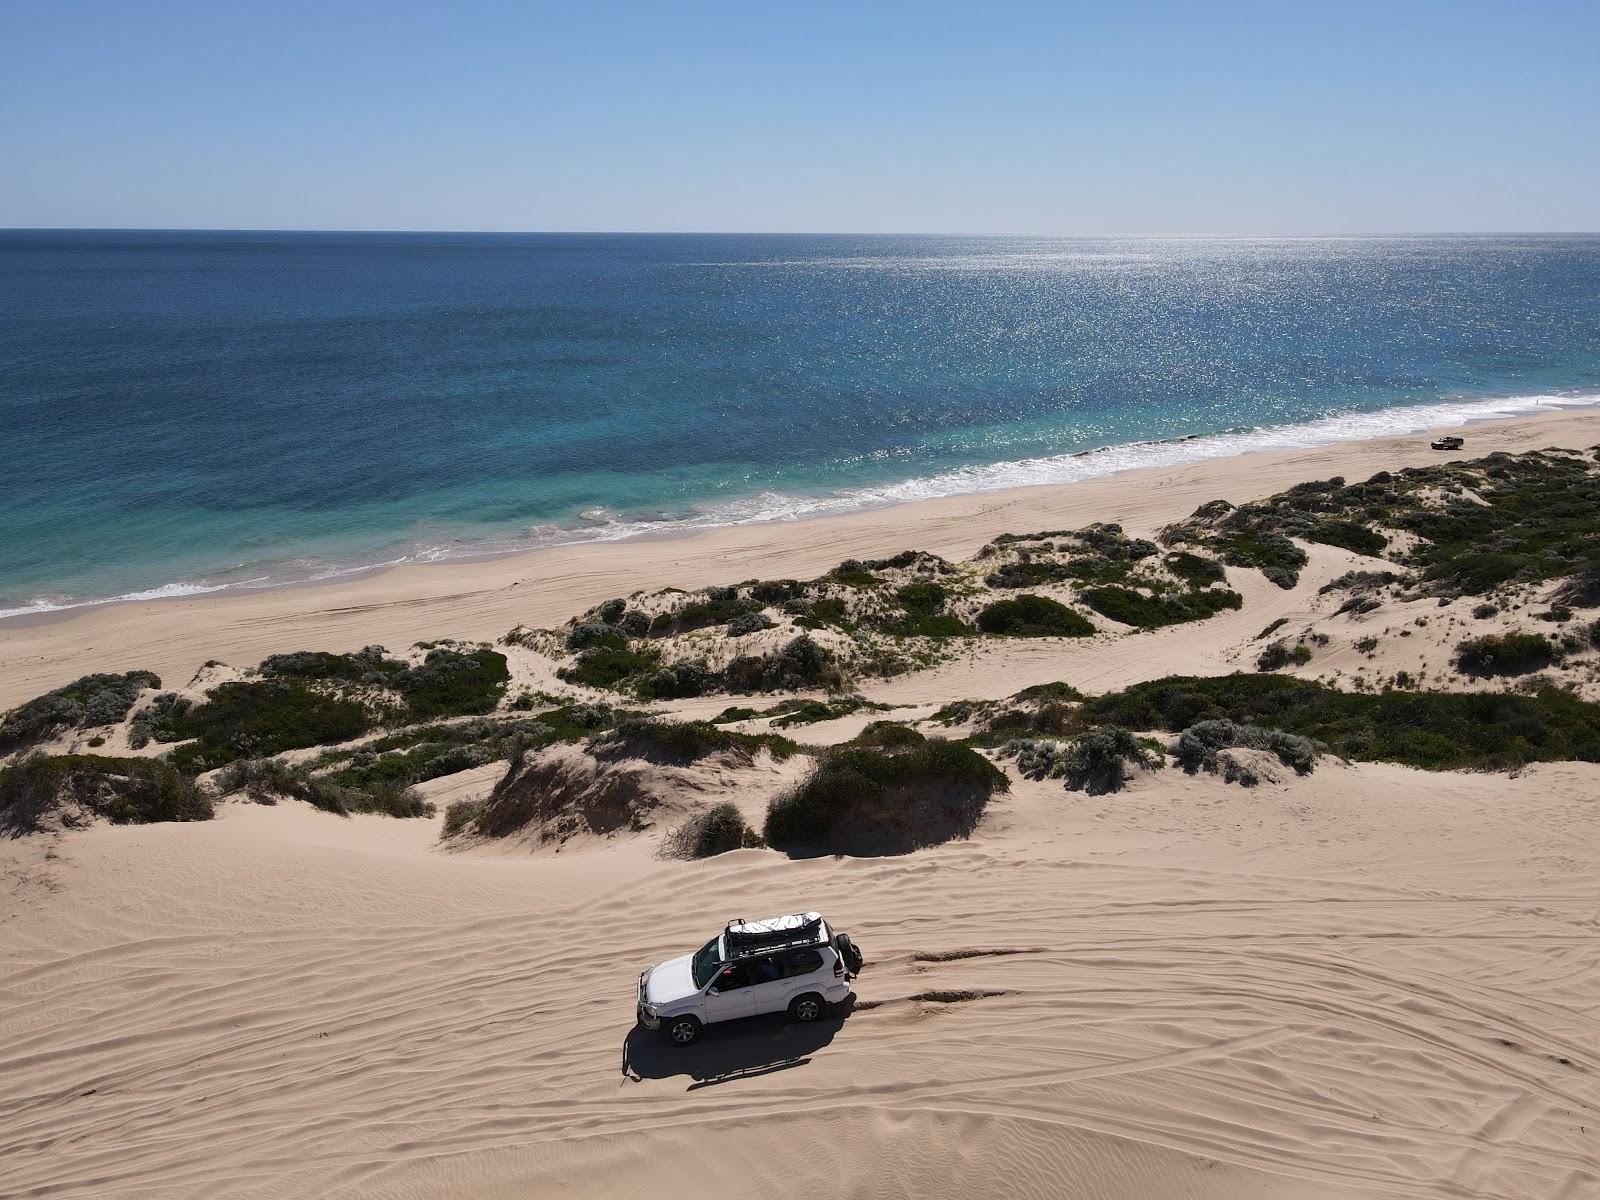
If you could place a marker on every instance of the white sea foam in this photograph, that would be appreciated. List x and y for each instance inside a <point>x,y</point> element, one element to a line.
<point>1088,464</point>
<point>601,525</point>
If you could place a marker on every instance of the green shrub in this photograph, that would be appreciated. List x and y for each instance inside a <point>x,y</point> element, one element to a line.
<point>1197,746</point>
<point>872,799</point>
<point>748,623</point>
<point>1033,616</point>
<point>265,781</point>
<point>458,815</point>
<point>1134,608</point>
<point>683,742</point>
<point>450,683</point>
<point>717,830</point>
<point>853,573</point>
<point>1505,654</point>
<point>922,613</point>
<point>369,665</point>
<point>1280,654</point>
<point>84,703</point>
<point>607,667</point>
<point>1436,731</point>
<point>596,633</point>
<point>1194,570</point>
<point>720,606</point>
<point>802,663</point>
<point>125,791</point>
<point>1031,573</point>
<point>679,681</point>
<point>1348,535</point>
<point>1274,555</point>
<point>1097,762</point>
<point>256,719</point>
<point>890,735</point>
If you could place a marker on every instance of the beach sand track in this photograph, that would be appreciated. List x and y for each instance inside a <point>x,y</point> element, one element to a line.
<point>1370,982</point>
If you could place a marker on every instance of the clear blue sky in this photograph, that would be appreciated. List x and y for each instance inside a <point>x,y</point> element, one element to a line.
<point>1136,118</point>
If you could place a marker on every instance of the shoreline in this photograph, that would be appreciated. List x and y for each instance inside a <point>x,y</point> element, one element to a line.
<point>774,507</point>
<point>480,598</point>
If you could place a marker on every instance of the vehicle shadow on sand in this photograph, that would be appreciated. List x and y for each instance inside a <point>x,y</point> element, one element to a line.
<point>736,1050</point>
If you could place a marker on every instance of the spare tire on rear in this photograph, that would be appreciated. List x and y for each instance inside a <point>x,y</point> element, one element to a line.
<point>849,952</point>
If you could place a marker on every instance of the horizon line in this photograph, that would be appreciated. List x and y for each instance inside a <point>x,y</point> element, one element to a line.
<point>1219,237</point>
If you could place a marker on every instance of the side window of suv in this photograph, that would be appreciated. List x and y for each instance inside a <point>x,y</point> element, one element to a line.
<point>765,970</point>
<point>733,977</point>
<point>801,962</point>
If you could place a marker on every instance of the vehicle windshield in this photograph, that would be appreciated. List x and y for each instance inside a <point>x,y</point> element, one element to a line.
<point>706,961</point>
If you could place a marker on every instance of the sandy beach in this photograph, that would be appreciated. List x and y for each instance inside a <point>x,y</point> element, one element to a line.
<point>1367,981</point>
<point>482,600</point>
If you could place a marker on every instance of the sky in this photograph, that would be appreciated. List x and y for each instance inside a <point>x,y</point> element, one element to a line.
<point>1219,118</point>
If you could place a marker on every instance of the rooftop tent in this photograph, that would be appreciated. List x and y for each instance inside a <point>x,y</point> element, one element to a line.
<point>746,937</point>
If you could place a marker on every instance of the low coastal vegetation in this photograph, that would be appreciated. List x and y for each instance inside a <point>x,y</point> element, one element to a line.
<point>1506,654</point>
<point>884,794</point>
<point>1097,761</point>
<point>683,742</point>
<point>1513,534</point>
<point>1432,730</point>
<point>314,698</point>
<point>1200,748</point>
<point>73,789</point>
<point>266,781</point>
<point>90,702</point>
<point>1460,528</point>
<point>717,830</point>
<point>1033,616</point>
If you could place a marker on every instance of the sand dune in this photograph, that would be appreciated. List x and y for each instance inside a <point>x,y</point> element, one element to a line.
<point>1370,982</point>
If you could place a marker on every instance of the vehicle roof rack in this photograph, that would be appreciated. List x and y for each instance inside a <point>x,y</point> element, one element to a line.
<point>772,933</point>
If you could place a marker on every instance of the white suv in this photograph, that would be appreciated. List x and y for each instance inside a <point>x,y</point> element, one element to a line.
<point>792,964</point>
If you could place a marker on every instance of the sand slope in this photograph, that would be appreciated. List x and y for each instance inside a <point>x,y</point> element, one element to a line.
<point>1374,982</point>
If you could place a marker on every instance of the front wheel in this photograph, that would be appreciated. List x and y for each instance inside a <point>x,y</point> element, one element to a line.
<point>681,1031</point>
<point>807,1008</point>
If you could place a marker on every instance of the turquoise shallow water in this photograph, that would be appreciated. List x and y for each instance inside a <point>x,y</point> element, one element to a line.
<point>186,411</point>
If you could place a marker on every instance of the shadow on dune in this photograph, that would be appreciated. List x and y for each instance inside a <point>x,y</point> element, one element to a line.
<point>736,1050</point>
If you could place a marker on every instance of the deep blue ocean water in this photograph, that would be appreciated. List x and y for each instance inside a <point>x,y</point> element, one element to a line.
<point>182,411</point>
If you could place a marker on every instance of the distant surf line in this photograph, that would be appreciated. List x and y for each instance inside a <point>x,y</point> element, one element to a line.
<point>771,507</point>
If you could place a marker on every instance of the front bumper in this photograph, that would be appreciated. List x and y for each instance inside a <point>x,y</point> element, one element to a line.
<point>640,1011</point>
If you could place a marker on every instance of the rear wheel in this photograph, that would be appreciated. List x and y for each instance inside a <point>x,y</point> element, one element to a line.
<point>681,1031</point>
<point>807,1008</point>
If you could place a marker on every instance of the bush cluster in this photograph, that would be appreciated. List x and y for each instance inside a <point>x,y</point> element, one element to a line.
<point>369,665</point>
<point>680,743</point>
<point>1505,654</point>
<point>1437,731</point>
<point>896,797</point>
<point>85,703</point>
<point>1033,616</point>
<point>257,719</point>
<point>1197,746</point>
<point>266,781</point>
<point>1280,654</point>
<point>1097,761</point>
<point>458,815</point>
<point>717,830</point>
<point>125,791</point>
<point>1142,611</point>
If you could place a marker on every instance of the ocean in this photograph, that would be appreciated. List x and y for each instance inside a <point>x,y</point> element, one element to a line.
<point>184,412</point>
